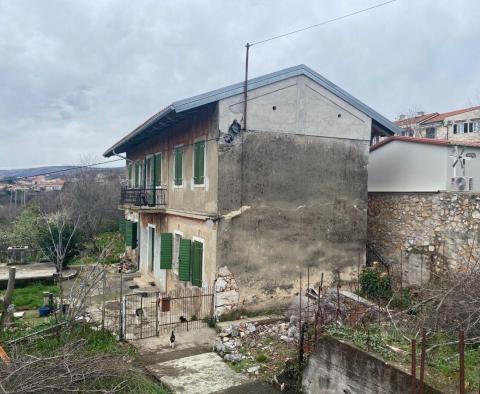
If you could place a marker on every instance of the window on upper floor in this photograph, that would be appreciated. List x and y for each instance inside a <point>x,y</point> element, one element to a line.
<point>178,166</point>
<point>138,174</point>
<point>466,127</point>
<point>430,132</point>
<point>408,132</point>
<point>199,163</point>
<point>130,175</point>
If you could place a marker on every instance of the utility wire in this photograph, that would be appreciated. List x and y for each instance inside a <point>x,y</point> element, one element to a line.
<point>58,171</point>
<point>323,23</point>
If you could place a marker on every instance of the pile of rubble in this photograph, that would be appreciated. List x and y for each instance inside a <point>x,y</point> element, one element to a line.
<point>234,342</point>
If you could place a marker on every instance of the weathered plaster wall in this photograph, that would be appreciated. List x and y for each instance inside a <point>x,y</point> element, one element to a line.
<point>304,202</point>
<point>188,198</point>
<point>188,228</point>
<point>423,234</point>
<point>336,367</point>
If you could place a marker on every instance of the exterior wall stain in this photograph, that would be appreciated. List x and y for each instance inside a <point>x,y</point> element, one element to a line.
<point>307,199</point>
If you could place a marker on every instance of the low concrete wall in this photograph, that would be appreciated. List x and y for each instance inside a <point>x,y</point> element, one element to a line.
<point>336,367</point>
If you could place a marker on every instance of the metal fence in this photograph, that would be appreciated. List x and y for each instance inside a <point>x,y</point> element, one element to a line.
<point>148,314</point>
<point>148,196</point>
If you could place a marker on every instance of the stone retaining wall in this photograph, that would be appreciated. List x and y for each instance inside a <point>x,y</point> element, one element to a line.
<point>423,234</point>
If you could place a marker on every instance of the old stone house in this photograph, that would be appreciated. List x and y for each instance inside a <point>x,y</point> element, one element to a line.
<point>266,200</point>
<point>458,125</point>
<point>424,205</point>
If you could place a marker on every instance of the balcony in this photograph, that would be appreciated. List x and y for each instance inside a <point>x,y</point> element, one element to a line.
<point>144,197</point>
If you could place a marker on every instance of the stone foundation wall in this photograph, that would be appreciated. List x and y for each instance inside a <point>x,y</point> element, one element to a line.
<point>423,234</point>
<point>226,292</point>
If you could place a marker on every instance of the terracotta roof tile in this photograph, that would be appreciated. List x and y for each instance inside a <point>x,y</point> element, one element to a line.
<point>429,141</point>
<point>445,115</point>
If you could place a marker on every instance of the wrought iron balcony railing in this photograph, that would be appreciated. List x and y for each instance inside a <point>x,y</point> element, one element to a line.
<point>148,196</point>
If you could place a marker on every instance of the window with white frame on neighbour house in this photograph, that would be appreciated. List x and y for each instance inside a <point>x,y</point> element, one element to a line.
<point>430,132</point>
<point>476,126</point>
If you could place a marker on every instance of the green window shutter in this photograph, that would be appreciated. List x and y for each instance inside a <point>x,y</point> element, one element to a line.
<point>197,263</point>
<point>144,178</point>
<point>122,227</point>
<point>178,166</point>
<point>166,255</point>
<point>184,260</point>
<point>157,169</point>
<point>131,234</point>
<point>199,163</point>
<point>130,175</point>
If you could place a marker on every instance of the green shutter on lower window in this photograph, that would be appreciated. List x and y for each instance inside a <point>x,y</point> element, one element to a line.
<point>122,227</point>
<point>197,263</point>
<point>184,260</point>
<point>131,234</point>
<point>166,251</point>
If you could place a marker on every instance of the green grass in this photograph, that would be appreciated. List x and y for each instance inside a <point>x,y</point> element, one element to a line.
<point>236,314</point>
<point>30,296</point>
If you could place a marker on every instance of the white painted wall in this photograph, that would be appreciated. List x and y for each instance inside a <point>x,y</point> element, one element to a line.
<point>301,107</point>
<point>401,166</point>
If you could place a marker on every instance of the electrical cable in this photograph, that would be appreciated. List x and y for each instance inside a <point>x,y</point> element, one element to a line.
<point>58,171</point>
<point>322,23</point>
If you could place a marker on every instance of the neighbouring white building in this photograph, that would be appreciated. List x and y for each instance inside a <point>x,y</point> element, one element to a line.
<point>424,206</point>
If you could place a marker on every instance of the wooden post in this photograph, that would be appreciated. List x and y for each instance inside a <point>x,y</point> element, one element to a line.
<point>7,299</point>
<point>461,350</point>
<point>422,360</point>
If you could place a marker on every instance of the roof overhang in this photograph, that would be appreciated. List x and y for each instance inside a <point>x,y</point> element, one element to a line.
<point>183,108</point>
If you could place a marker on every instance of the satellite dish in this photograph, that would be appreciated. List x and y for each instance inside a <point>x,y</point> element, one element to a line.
<point>235,127</point>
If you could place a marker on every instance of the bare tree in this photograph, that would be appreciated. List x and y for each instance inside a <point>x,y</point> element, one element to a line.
<point>61,229</point>
<point>410,123</point>
<point>93,195</point>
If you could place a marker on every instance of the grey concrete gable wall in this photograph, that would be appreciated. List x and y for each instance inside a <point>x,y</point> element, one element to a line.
<point>301,107</point>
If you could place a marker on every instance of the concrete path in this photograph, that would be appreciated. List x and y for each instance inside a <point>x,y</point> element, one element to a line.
<point>201,374</point>
<point>192,367</point>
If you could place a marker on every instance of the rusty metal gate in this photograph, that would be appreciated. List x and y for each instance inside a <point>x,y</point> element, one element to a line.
<point>149,314</point>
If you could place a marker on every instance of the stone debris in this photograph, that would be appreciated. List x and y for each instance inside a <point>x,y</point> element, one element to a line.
<point>249,335</point>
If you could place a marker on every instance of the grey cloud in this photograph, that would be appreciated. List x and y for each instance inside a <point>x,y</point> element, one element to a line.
<point>76,76</point>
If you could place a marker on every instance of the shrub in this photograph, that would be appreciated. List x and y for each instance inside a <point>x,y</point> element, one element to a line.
<point>261,357</point>
<point>375,283</point>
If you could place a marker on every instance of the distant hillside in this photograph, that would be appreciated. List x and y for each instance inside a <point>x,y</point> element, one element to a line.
<point>63,172</point>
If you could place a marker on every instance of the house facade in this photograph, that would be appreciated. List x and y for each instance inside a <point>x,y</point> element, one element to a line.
<point>423,205</point>
<point>265,200</point>
<point>459,125</point>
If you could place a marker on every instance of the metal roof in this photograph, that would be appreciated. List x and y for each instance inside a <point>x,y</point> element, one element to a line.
<point>171,113</point>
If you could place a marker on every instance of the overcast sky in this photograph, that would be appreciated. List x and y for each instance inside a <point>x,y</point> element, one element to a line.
<point>75,76</point>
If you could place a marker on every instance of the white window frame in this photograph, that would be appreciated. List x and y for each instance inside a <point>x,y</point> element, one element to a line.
<point>149,240</point>
<point>202,241</point>
<point>204,163</point>
<point>183,167</point>
<point>148,159</point>
<point>176,258</point>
